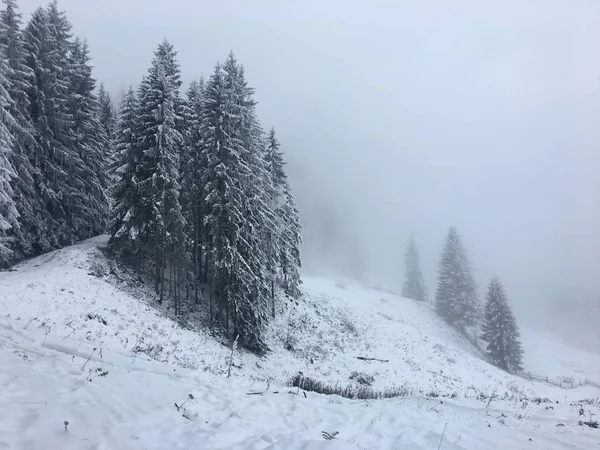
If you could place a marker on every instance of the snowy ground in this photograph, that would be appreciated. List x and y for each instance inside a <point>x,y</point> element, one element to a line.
<point>55,313</point>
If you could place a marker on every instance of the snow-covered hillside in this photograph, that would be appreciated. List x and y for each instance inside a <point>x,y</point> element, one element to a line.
<point>50,398</point>
<point>64,308</point>
<point>72,294</point>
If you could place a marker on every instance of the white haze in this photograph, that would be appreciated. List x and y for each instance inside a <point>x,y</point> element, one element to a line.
<point>408,117</point>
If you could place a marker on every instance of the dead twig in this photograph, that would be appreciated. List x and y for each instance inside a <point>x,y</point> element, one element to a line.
<point>366,358</point>
<point>442,436</point>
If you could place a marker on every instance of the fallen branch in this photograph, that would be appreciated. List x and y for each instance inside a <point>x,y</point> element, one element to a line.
<point>365,358</point>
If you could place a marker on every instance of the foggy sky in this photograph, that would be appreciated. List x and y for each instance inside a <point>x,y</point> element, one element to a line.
<point>407,117</point>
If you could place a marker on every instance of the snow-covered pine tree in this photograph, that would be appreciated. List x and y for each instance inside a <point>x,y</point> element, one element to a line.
<point>413,286</point>
<point>192,172</point>
<point>455,297</point>
<point>236,202</point>
<point>288,221</point>
<point>127,225</point>
<point>46,43</point>
<point>500,330</point>
<point>107,116</point>
<point>88,206</point>
<point>8,210</point>
<point>161,142</point>
<point>31,236</point>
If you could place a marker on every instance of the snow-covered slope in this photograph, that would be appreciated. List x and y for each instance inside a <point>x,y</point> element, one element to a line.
<point>75,293</point>
<point>60,393</point>
<point>68,318</point>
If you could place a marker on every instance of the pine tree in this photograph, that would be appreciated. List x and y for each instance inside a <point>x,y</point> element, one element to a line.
<point>8,210</point>
<point>47,44</point>
<point>161,141</point>
<point>500,330</point>
<point>107,116</point>
<point>89,180</point>
<point>288,239</point>
<point>414,286</point>
<point>192,172</point>
<point>455,297</point>
<point>127,224</point>
<point>238,214</point>
<point>18,82</point>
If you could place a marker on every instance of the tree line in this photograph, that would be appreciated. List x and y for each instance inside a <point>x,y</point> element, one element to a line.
<point>456,301</point>
<point>189,185</point>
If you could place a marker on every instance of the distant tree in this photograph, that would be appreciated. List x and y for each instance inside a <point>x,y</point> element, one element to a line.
<point>500,329</point>
<point>286,239</point>
<point>413,287</point>
<point>455,297</point>
<point>107,117</point>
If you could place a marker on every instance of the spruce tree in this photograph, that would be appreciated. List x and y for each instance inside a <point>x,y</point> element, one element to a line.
<point>237,208</point>
<point>500,330</point>
<point>89,180</point>
<point>192,172</point>
<point>288,239</point>
<point>8,210</point>
<point>414,287</point>
<point>455,297</point>
<point>127,224</point>
<point>161,142</point>
<point>29,237</point>
<point>107,117</point>
<point>47,40</point>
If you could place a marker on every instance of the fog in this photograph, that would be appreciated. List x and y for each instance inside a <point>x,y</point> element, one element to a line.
<point>403,118</point>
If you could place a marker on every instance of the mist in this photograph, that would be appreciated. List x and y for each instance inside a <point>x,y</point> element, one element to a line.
<point>402,118</point>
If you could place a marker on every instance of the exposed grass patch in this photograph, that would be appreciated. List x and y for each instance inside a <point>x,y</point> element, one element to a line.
<point>350,391</point>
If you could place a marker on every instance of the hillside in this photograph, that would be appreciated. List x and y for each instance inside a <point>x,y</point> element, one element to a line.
<point>64,308</point>
<point>72,294</point>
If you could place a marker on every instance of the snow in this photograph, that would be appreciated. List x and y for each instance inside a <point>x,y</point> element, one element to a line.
<point>52,320</point>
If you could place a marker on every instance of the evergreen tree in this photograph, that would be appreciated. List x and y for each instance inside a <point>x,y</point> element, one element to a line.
<point>236,203</point>
<point>107,116</point>
<point>8,209</point>
<point>500,330</point>
<point>126,219</point>
<point>413,287</point>
<point>161,141</point>
<point>288,239</point>
<point>192,172</point>
<point>88,206</point>
<point>18,79</point>
<point>455,297</point>
<point>45,46</point>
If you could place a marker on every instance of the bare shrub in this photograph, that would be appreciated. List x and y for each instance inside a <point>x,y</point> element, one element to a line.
<point>362,378</point>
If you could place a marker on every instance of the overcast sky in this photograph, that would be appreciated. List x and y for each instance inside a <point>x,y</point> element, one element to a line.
<point>407,117</point>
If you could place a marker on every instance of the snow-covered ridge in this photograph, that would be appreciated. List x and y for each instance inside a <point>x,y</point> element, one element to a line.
<point>70,294</point>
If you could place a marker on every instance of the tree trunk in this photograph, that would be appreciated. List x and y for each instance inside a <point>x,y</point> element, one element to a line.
<point>273,296</point>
